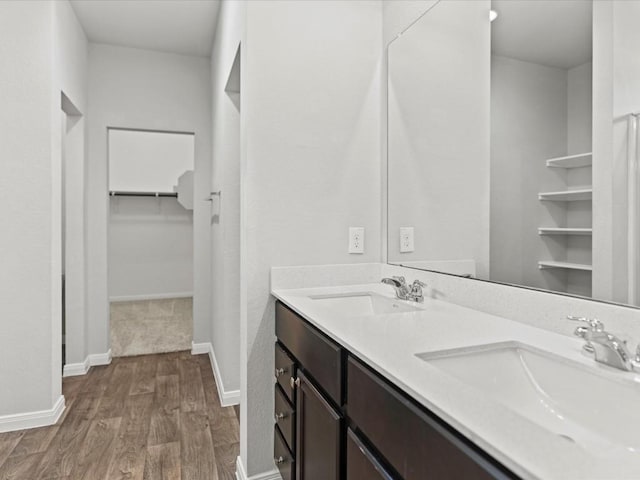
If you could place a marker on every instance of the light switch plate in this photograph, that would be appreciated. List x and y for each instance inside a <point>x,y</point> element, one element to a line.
<point>406,240</point>
<point>356,239</point>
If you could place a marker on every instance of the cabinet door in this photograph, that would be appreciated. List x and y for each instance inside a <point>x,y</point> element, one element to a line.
<point>361,463</point>
<point>285,417</point>
<point>282,456</point>
<point>417,444</point>
<point>318,435</point>
<point>285,372</point>
<point>321,357</point>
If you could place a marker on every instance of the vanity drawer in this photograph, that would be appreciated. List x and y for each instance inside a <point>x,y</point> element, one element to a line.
<point>319,356</point>
<point>285,372</point>
<point>412,441</point>
<point>285,417</point>
<point>361,463</point>
<point>282,456</point>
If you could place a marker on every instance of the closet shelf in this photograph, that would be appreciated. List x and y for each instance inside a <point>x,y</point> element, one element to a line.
<point>564,231</point>
<point>118,193</point>
<point>571,161</point>
<point>567,195</point>
<point>567,265</point>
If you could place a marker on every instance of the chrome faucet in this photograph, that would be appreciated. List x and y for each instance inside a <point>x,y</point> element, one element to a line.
<point>411,292</point>
<point>606,347</point>
<point>399,284</point>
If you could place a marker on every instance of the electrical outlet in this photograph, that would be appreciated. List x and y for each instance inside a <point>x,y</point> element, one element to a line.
<point>356,239</point>
<point>406,240</point>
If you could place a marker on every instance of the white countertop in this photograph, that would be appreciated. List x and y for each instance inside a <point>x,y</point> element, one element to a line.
<point>388,344</point>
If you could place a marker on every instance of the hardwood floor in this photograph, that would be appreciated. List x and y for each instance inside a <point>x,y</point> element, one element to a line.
<point>141,418</point>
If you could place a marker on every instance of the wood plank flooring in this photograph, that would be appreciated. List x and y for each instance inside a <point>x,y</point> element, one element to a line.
<point>150,417</point>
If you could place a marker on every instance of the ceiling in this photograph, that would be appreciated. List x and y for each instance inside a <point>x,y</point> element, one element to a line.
<point>186,27</point>
<point>556,33</point>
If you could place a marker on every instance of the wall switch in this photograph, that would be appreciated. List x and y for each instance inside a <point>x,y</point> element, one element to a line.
<point>406,240</point>
<point>356,239</point>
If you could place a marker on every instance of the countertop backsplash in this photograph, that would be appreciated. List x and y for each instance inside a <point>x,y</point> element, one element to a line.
<point>540,309</point>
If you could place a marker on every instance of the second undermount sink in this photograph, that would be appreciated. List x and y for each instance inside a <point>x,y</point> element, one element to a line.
<point>362,303</point>
<point>581,404</point>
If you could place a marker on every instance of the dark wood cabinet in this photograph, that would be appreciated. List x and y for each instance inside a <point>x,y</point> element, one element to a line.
<point>318,435</point>
<point>308,392</point>
<point>338,419</point>
<point>285,372</point>
<point>319,356</point>
<point>283,457</point>
<point>285,417</point>
<point>361,463</point>
<point>414,442</point>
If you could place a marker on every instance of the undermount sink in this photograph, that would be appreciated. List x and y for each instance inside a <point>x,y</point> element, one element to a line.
<point>362,304</point>
<point>581,404</point>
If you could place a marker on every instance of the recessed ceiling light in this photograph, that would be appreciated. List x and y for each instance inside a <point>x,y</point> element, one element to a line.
<point>492,15</point>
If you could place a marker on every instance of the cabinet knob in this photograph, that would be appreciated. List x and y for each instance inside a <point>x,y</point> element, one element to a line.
<point>278,460</point>
<point>294,382</point>
<point>279,416</point>
<point>279,371</point>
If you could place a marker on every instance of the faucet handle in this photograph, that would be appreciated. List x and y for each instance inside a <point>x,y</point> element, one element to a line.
<point>417,286</point>
<point>595,324</point>
<point>400,279</point>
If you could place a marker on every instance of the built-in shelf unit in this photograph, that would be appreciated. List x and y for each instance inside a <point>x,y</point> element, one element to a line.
<point>564,231</point>
<point>570,235</point>
<point>567,195</point>
<point>566,265</point>
<point>571,161</point>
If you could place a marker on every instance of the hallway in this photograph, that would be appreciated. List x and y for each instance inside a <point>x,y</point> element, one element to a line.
<point>145,417</point>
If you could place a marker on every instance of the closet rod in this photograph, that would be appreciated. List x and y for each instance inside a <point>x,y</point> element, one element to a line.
<point>142,194</point>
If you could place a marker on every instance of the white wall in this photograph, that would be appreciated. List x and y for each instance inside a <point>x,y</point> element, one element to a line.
<point>603,285</point>
<point>135,88</point>
<point>43,54</point>
<point>310,167</point>
<point>141,161</point>
<point>70,62</point>
<point>28,207</point>
<point>616,94</point>
<point>150,245</point>
<point>225,221</point>
<point>439,137</point>
<point>579,108</point>
<point>150,248</point>
<point>579,214</point>
<point>626,99</point>
<point>397,15</point>
<point>528,125</point>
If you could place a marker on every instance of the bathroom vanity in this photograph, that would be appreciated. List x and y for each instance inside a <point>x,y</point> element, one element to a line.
<point>372,387</point>
<point>335,416</point>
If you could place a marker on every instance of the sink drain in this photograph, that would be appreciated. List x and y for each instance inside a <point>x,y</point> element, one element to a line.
<point>566,437</point>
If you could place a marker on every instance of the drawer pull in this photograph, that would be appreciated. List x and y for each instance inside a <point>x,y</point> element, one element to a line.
<point>279,371</point>
<point>278,460</point>
<point>294,382</point>
<point>279,416</point>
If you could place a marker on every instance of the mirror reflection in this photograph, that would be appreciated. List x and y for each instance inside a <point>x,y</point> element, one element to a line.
<point>490,148</point>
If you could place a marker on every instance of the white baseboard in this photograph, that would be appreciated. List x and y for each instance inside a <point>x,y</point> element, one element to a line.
<point>200,348</point>
<point>227,397</point>
<point>41,418</point>
<point>150,296</point>
<point>100,358</point>
<point>241,474</point>
<point>75,369</point>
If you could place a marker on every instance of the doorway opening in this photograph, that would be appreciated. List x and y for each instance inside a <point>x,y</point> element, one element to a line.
<point>150,240</point>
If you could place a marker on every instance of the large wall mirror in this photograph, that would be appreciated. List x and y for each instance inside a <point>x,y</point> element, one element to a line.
<point>492,171</point>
